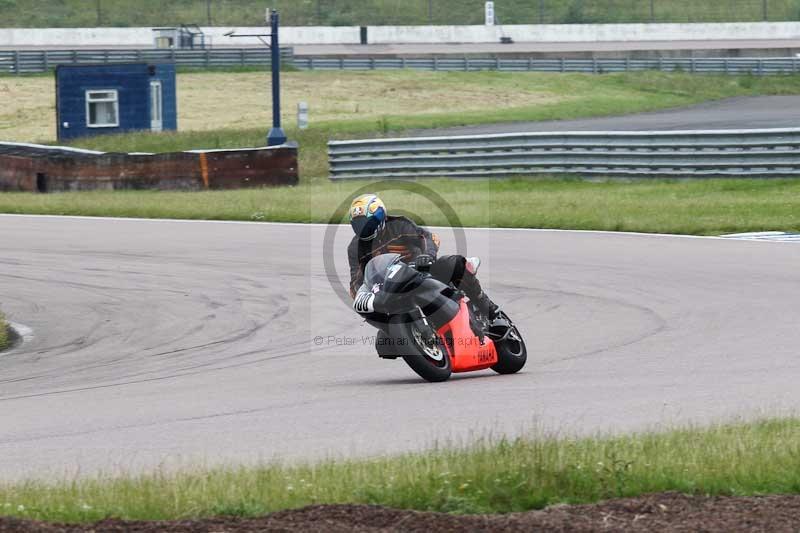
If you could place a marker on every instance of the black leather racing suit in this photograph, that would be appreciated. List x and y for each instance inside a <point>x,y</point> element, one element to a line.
<point>402,236</point>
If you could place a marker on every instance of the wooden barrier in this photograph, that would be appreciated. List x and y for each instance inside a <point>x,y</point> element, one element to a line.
<point>37,168</point>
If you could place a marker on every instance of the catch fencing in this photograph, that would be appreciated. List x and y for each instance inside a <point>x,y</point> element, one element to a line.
<point>758,153</point>
<point>743,65</point>
<point>37,61</point>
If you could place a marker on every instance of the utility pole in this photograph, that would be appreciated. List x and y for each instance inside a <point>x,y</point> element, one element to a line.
<point>99,12</point>
<point>652,10</point>
<point>430,12</point>
<point>208,12</point>
<point>765,9</point>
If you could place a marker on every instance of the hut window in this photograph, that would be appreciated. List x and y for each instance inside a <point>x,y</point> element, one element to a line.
<point>102,109</point>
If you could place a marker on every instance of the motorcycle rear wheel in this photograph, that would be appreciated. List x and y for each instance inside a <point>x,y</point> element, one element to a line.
<point>511,352</point>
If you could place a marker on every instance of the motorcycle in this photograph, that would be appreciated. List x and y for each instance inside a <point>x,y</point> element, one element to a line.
<point>433,326</point>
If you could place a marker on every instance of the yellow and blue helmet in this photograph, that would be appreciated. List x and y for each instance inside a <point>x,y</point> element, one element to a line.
<point>367,216</point>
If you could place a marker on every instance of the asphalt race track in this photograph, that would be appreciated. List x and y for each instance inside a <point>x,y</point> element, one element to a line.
<point>167,344</point>
<point>747,112</point>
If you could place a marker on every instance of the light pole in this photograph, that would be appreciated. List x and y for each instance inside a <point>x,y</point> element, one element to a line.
<point>276,135</point>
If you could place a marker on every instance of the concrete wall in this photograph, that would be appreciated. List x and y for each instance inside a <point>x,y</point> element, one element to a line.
<point>32,168</point>
<point>143,37</point>
<point>585,33</point>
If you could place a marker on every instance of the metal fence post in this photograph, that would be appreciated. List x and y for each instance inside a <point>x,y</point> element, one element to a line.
<point>46,61</point>
<point>530,64</point>
<point>16,63</point>
<point>435,63</point>
<point>241,57</point>
<point>562,65</point>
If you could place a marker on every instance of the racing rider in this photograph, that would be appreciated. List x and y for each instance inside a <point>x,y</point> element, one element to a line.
<point>377,233</point>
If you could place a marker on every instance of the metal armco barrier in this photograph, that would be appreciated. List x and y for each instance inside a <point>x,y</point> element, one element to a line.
<point>761,153</point>
<point>740,65</point>
<point>35,61</point>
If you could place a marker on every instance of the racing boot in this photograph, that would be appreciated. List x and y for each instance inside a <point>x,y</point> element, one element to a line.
<point>472,288</point>
<point>486,306</point>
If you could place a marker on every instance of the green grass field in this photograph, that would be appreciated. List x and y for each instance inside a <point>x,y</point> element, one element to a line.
<point>370,104</point>
<point>77,13</point>
<point>665,206</point>
<point>697,207</point>
<point>484,477</point>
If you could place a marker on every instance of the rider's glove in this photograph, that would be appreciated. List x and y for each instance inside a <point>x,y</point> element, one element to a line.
<point>423,263</point>
<point>364,302</point>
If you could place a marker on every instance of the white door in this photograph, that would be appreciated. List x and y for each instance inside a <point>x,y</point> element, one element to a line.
<point>156,107</point>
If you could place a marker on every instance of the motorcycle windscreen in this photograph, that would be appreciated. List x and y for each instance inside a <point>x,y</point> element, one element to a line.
<point>375,273</point>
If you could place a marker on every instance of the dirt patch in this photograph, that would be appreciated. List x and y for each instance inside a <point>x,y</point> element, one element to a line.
<point>663,512</point>
<point>29,110</point>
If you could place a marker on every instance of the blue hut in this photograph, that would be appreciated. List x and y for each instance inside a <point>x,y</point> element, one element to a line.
<point>99,99</point>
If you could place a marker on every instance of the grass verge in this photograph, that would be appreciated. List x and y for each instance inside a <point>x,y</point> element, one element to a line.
<point>3,332</point>
<point>83,13</point>
<point>487,477</point>
<point>696,207</point>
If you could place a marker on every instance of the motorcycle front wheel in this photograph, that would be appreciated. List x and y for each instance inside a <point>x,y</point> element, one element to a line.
<point>429,360</point>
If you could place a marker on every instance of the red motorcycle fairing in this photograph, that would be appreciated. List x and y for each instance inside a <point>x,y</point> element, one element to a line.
<point>467,352</point>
